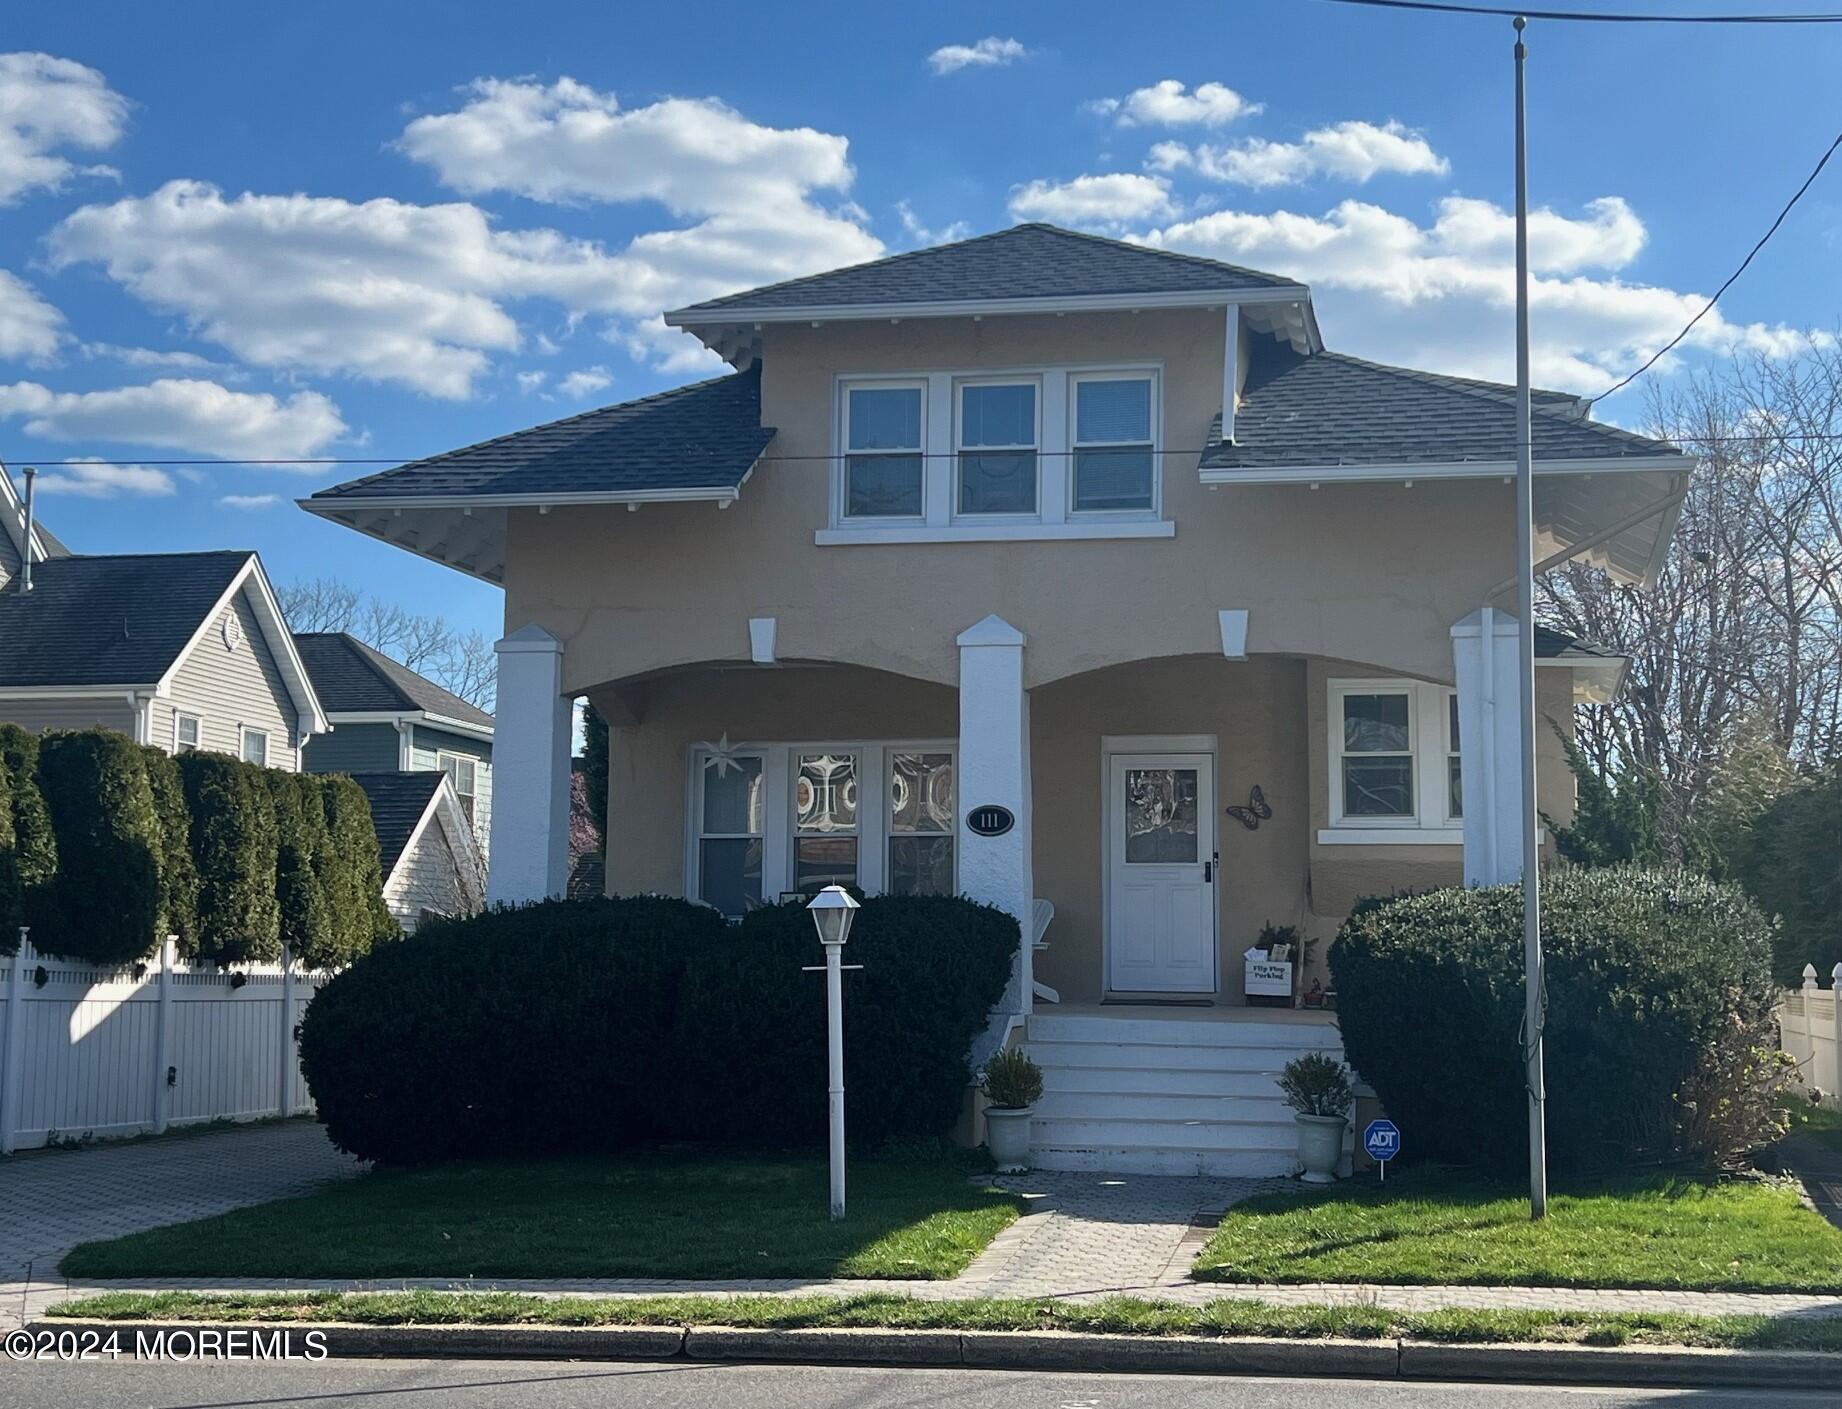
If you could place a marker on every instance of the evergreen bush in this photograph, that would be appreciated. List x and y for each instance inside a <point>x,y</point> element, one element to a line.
<point>1660,1040</point>
<point>234,846</point>
<point>351,874</point>
<point>178,874</point>
<point>107,886</point>
<point>29,862</point>
<point>308,925</point>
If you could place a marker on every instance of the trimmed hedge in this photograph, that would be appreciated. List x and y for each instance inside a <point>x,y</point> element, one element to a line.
<point>352,875</point>
<point>28,847</point>
<point>110,844</point>
<point>178,874</point>
<point>590,1025</point>
<point>307,922</point>
<point>234,844</point>
<point>1659,1034</point>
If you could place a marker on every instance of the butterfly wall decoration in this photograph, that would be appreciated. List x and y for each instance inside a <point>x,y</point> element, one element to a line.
<point>1256,811</point>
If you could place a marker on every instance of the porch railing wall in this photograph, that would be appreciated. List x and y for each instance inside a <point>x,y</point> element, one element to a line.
<point>1810,1030</point>
<point>109,1052</point>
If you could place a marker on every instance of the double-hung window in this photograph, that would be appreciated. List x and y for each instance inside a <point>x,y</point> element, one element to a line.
<point>732,813</point>
<point>824,819</point>
<point>1455,793</point>
<point>1115,464</point>
<point>256,747</point>
<point>996,459</point>
<point>186,733</point>
<point>921,817</point>
<point>462,772</point>
<point>1375,764</point>
<point>1394,763</point>
<point>884,461</point>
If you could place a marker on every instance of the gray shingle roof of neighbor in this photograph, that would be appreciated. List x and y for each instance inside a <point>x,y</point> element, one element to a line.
<point>398,801</point>
<point>1332,409</point>
<point>1025,261</point>
<point>111,619</point>
<point>351,677</point>
<point>1551,645</point>
<point>706,436</point>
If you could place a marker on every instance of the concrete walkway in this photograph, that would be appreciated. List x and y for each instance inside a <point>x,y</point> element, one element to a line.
<point>1084,1237</point>
<point>1820,1170</point>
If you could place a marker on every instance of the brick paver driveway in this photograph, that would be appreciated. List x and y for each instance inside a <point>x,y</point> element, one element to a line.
<point>52,1200</point>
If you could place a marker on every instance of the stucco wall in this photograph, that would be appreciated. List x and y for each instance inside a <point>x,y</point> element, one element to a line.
<point>1374,573</point>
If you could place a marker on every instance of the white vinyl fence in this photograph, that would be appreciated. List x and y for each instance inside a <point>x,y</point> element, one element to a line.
<point>1810,1029</point>
<point>121,1051</point>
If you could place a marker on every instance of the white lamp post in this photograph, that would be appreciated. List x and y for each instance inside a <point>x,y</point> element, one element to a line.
<point>832,912</point>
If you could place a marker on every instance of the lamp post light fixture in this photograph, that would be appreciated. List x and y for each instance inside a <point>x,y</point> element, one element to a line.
<point>832,911</point>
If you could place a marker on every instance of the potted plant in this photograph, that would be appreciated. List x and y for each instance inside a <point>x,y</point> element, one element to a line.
<point>1318,1088</point>
<point>1012,1083</point>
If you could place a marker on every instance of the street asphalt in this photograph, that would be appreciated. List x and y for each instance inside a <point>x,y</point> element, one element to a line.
<point>509,1384</point>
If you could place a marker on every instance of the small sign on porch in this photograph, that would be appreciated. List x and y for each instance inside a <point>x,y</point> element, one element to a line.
<point>1269,978</point>
<point>990,820</point>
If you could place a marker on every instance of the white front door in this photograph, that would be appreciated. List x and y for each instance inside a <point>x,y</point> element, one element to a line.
<point>1161,876</point>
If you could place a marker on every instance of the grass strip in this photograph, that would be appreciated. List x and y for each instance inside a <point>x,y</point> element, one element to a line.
<point>1225,1317</point>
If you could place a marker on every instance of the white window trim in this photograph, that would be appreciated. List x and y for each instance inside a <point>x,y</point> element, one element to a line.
<point>473,795</point>
<point>1448,755</point>
<point>1035,447</point>
<point>941,523</point>
<point>840,507</point>
<point>779,764</point>
<point>243,733</point>
<point>1114,374</point>
<point>1426,707</point>
<point>198,743</point>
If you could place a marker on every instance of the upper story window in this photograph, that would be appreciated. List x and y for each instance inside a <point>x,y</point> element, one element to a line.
<point>883,466</point>
<point>1114,460</point>
<point>1037,452</point>
<point>463,772</point>
<point>997,448</point>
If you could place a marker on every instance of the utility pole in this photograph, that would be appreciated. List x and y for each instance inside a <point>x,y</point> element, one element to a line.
<point>1534,1011</point>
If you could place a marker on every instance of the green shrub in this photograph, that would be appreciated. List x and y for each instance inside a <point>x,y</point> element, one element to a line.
<point>1659,1030</point>
<point>1316,1084</point>
<point>578,1026</point>
<point>234,846</point>
<point>308,925</point>
<point>178,874</point>
<point>1790,862</point>
<point>29,861</point>
<point>351,874</point>
<point>110,846</point>
<point>1011,1081</point>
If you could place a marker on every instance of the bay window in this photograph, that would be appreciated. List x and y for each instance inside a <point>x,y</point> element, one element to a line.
<point>997,448</point>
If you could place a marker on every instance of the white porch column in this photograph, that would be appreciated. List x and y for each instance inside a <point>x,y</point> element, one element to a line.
<point>994,770</point>
<point>1484,654</point>
<point>530,845</point>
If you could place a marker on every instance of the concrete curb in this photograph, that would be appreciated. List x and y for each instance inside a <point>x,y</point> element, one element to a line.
<point>1036,1350</point>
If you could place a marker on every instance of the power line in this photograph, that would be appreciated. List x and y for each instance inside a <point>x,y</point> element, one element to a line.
<point>1588,17</point>
<point>1709,308</point>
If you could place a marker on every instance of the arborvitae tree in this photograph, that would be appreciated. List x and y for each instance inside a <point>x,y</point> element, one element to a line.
<point>110,847</point>
<point>178,873</point>
<point>308,925</point>
<point>234,845</point>
<point>26,896</point>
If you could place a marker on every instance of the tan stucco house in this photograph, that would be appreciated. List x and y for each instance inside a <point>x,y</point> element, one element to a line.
<point>1014,567</point>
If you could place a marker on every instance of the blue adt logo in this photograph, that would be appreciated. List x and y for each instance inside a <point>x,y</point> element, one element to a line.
<point>1382,1139</point>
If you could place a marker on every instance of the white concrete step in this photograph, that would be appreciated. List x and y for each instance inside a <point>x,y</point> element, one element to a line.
<point>1290,1036</point>
<point>1111,1106</point>
<point>1138,1056</point>
<point>1064,1134</point>
<point>1157,1081</point>
<point>1152,1159</point>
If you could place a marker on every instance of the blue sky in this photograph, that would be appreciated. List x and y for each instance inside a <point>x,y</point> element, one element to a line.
<point>256,231</point>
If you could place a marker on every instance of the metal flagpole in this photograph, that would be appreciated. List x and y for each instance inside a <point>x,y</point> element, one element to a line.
<point>1534,1012</point>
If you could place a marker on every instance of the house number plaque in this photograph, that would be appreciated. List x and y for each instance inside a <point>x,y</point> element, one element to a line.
<point>990,820</point>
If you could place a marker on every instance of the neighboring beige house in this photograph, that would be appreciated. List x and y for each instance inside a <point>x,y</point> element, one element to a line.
<point>182,650</point>
<point>431,864</point>
<point>1013,568</point>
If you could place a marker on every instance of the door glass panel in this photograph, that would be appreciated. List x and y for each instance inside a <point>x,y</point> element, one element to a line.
<point>1161,819</point>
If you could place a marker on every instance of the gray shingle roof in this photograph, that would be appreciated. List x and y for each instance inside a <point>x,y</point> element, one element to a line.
<point>113,619</point>
<point>398,801</point>
<point>1551,644</point>
<point>1330,409</point>
<point>351,677</point>
<point>1025,261</point>
<point>703,436</point>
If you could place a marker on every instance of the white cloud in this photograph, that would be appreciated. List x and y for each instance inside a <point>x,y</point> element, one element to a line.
<point>585,381</point>
<point>1351,151</point>
<point>30,328</point>
<point>1454,281</point>
<point>48,104</point>
<point>92,479</point>
<point>180,414</point>
<point>1167,103</point>
<point>249,503</point>
<point>150,357</point>
<point>1107,200</point>
<point>530,382</point>
<point>989,52</point>
<point>665,348</point>
<point>922,234</point>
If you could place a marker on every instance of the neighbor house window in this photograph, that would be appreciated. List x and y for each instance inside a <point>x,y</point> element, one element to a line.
<point>997,448</point>
<point>1376,758</point>
<point>824,820</point>
<point>921,819</point>
<point>256,747</point>
<point>1455,794</point>
<point>731,818</point>
<point>883,463</point>
<point>1115,468</point>
<point>463,773</point>
<point>186,733</point>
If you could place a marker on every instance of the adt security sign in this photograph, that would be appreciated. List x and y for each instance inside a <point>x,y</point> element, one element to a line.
<point>1382,1139</point>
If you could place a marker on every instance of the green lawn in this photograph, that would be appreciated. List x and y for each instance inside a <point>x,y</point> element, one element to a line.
<point>617,1217</point>
<point>1433,1227</point>
<point>1816,1123</point>
<point>1117,1315</point>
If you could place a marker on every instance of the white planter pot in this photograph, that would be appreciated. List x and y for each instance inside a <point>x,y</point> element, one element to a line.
<point>1007,1136</point>
<point>1320,1146</point>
